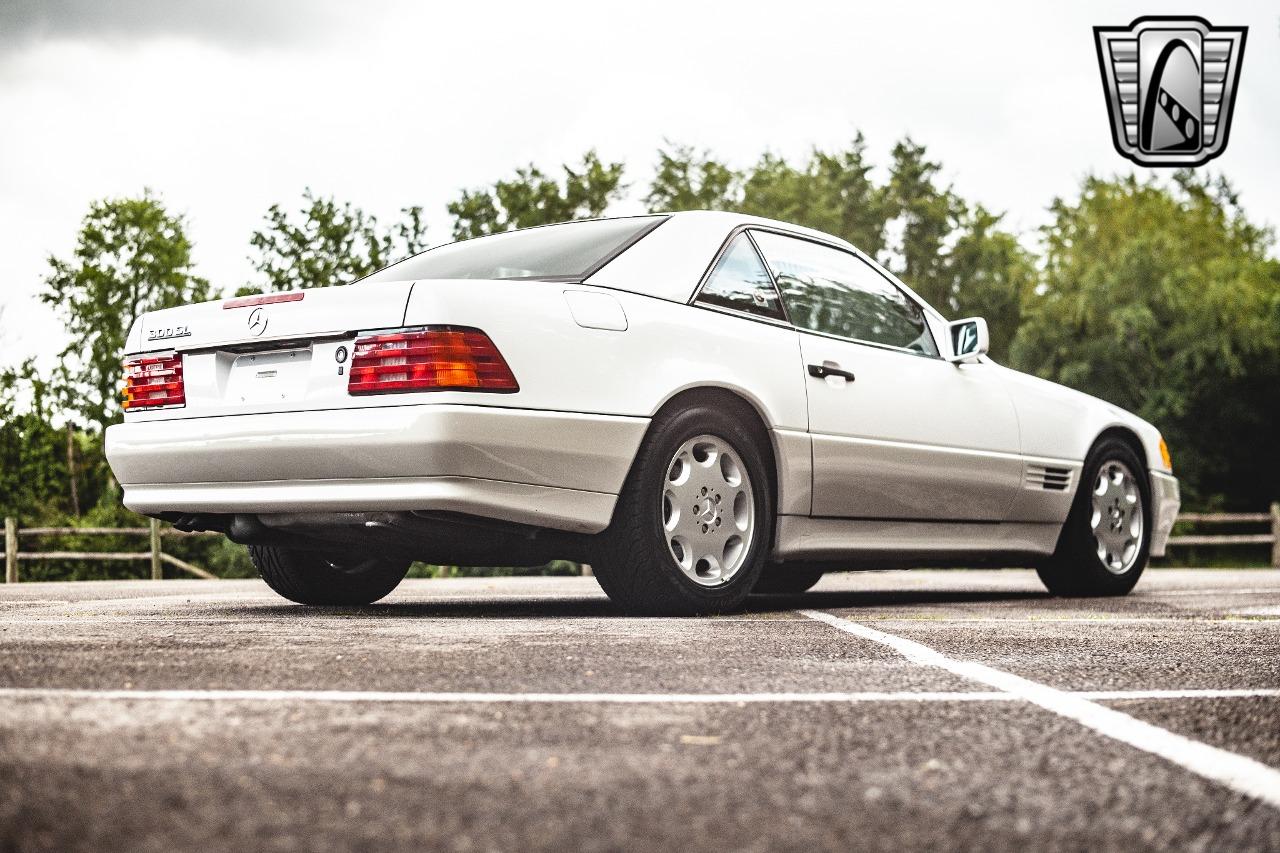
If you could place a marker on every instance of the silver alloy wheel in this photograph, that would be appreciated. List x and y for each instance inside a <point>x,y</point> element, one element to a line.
<point>1117,517</point>
<point>708,510</point>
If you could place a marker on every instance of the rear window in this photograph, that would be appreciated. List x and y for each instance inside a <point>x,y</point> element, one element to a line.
<point>570,250</point>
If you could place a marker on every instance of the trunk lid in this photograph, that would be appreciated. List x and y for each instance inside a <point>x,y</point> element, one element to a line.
<point>291,352</point>
<point>294,315</point>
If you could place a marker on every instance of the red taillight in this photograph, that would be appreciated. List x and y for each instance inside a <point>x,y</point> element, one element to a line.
<point>153,381</point>
<point>433,359</point>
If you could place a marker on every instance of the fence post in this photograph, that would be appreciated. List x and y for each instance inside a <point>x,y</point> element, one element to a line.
<point>1275,536</point>
<point>157,572</point>
<point>10,550</point>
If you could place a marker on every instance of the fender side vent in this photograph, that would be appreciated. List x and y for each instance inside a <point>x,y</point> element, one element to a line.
<point>1050,479</point>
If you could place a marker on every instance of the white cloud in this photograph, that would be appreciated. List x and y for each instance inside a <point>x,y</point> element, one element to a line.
<point>230,22</point>
<point>226,109</point>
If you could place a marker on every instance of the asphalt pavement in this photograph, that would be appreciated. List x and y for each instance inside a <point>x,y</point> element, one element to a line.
<point>881,711</point>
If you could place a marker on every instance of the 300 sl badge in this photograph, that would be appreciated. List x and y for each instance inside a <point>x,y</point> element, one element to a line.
<point>165,334</point>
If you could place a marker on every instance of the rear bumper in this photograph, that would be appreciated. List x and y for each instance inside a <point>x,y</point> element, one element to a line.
<point>542,506</point>
<point>552,469</point>
<point>1165,502</point>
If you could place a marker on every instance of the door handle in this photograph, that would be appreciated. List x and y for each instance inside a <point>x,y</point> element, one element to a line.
<point>828,368</point>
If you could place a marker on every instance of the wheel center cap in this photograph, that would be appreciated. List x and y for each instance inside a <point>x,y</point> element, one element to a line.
<point>707,513</point>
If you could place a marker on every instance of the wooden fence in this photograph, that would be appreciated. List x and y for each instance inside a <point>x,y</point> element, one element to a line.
<point>159,559</point>
<point>155,554</point>
<point>1272,538</point>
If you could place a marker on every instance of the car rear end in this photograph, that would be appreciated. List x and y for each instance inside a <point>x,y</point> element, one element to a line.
<point>400,396</point>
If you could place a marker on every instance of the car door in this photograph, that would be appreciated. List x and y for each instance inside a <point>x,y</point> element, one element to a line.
<point>898,432</point>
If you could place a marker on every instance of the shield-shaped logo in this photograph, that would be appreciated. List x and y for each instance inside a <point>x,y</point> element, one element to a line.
<point>1170,84</point>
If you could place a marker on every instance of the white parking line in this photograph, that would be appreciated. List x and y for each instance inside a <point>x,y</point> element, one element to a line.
<point>1234,619</point>
<point>1228,768</point>
<point>1110,695</point>
<point>413,697</point>
<point>482,698</point>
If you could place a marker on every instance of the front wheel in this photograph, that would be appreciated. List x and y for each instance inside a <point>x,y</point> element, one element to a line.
<point>691,528</point>
<point>335,577</point>
<point>1105,543</point>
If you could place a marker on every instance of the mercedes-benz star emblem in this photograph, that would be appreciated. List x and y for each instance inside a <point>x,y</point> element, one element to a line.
<point>257,322</point>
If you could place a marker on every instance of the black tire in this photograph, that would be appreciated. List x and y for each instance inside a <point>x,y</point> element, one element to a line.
<point>327,577</point>
<point>787,579</point>
<point>633,561</point>
<point>1075,569</point>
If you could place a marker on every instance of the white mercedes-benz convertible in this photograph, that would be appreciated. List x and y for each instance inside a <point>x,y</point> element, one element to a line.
<point>699,404</point>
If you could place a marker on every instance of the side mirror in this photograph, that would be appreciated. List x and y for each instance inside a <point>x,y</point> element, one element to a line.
<point>969,339</point>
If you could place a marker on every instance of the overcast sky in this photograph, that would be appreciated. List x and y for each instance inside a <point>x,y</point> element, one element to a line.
<point>223,107</point>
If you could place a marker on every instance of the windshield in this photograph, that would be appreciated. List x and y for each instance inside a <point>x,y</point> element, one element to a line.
<point>570,250</point>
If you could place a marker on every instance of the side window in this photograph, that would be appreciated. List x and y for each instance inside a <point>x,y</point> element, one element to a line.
<point>827,290</point>
<point>741,282</point>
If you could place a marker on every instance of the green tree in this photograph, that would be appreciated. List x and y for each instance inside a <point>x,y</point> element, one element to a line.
<point>954,254</point>
<point>131,256</point>
<point>688,179</point>
<point>951,251</point>
<point>33,475</point>
<point>986,273</point>
<point>830,191</point>
<point>330,244</point>
<point>533,198</point>
<point>927,217</point>
<point>1160,297</point>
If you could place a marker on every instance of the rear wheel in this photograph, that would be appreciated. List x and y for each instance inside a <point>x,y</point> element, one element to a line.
<point>334,577</point>
<point>691,528</point>
<point>1106,541</point>
<point>787,578</point>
